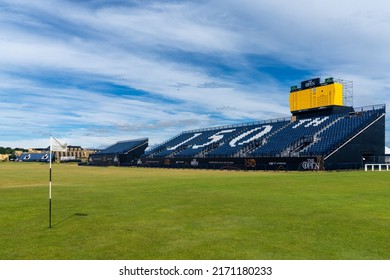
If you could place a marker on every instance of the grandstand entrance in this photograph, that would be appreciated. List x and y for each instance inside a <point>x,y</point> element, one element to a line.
<point>368,158</point>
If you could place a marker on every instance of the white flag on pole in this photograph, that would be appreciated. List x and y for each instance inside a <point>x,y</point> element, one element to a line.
<point>57,146</point>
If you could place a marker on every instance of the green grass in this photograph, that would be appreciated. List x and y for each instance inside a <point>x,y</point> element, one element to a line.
<point>131,213</point>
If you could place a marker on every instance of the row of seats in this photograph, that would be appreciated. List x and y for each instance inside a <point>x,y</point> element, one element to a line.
<point>34,157</point>
<point>123,146</point>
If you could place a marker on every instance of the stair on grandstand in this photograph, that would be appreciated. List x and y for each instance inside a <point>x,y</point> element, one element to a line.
<point>306,141</point>
<point>255,144</point>
<point>301,143</point>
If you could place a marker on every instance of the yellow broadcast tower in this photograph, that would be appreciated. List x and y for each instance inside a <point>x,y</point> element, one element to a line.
<point>314,94</point>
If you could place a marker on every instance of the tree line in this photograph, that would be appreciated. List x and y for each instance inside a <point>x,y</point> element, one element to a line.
<point>10,151</point>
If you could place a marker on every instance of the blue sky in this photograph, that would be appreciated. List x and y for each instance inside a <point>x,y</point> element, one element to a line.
<point>95,72</point>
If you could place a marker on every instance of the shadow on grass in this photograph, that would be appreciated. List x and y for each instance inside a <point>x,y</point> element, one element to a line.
<point>71,216</point>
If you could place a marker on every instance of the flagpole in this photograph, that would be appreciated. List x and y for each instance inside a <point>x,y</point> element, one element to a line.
<point>50,185</point>
<point>55,146</point>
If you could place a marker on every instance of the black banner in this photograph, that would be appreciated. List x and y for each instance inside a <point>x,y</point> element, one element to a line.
<point>310,83</point>
<point>271,163</point>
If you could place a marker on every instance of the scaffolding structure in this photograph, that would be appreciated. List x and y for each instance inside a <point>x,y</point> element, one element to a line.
<point>347,91</point>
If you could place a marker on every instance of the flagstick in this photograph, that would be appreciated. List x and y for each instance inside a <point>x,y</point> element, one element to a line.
<point>56,146</point>
<point>50,188</point>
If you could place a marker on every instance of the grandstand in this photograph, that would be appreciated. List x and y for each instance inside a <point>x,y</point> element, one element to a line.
<point>34,157</point>
<point>321,134</point>
<point>122,153</point>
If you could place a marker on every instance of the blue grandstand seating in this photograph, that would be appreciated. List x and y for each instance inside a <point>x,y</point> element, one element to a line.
<point>316,136</point>
<point>206,141</point>
<point>304,137</point>
<point>291,134</point>
<point>123,147</point>
<point>245,138</point>
<point>42,157</point>
<point>343,129</point>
